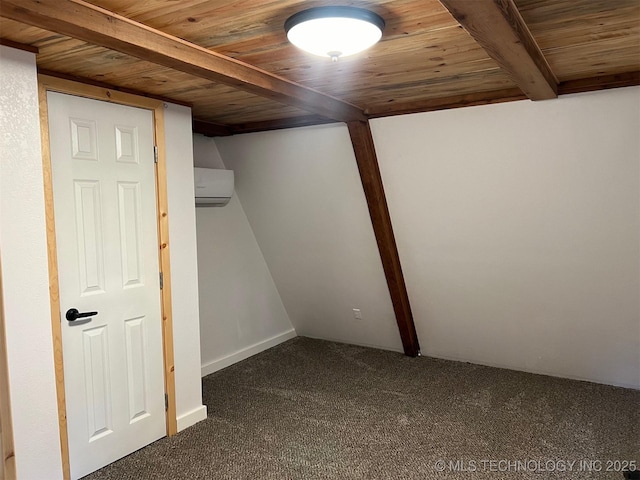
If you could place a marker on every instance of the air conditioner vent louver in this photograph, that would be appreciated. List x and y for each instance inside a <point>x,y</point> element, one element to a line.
<point>213,187</point>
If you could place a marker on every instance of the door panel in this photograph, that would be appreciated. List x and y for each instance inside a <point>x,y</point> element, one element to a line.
<point>106,232</point>
<point>136,371</point>
<point>97,375</point>
<point>89,237</point>
<point>129,204</point>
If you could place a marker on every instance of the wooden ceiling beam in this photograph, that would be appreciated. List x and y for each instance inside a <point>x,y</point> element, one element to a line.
<point>279,124</point>
<point>211,129</point>
<point>627,79</point>
<point>95,25</point>
<point>365,152</point>
<point>20,46</point>
<point>444,103</point>
<point>498,27</point>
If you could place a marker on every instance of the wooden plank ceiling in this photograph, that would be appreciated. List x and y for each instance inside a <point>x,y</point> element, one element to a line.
<point>430,57</point>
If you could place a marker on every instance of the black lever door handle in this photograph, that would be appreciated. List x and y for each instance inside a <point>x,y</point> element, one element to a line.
<point>73,314</point>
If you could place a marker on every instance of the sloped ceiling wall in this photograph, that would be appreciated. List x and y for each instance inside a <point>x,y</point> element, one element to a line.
<point>518,227</point>
<point>302,195</point>
<point>241,312</point>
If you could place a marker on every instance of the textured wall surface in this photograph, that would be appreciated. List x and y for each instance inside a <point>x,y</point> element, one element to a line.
<point>302,194</point>
<point>517,224</point>
<point>518,227</point>
<point>241,312</point>
<point>25,272</point>
<point>184,265</point>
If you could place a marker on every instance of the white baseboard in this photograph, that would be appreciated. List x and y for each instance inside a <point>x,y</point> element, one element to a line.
<point>227,360</point>
<point>535,371</point>
<point>192,417</point>
<point>357,344</point>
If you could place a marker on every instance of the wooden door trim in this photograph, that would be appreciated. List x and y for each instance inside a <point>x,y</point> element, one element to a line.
<point>53,84</point>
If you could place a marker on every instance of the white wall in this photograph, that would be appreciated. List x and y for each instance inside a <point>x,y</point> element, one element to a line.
<point>302,194</point>
<point>518,228</point>
<point>184,266</point>
<point>25,272</point>
<point>241,312</point>
<point>206,154</point>
<point>517,225</point>
<point>25,277</point>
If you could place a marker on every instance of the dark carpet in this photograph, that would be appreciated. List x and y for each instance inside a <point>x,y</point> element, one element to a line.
<point>311,409</point>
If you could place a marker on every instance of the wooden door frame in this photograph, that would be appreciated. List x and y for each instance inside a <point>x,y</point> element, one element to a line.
<point>52,84</point>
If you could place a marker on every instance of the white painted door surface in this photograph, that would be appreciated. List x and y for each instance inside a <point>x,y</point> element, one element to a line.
<point>106,232</point>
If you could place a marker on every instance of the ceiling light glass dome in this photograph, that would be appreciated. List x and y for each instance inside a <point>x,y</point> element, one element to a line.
<point>334,32</point>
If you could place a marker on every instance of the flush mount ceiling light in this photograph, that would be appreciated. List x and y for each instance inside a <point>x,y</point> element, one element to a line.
<point>334,31</point>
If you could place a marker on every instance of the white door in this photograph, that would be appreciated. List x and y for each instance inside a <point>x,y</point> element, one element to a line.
<point>107,244</point>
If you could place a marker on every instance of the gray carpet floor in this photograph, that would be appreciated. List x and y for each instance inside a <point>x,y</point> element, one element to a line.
<point>311,409</point>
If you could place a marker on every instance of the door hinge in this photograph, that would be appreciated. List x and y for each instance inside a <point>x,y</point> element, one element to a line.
<point>161,280</point>
<point>166,402</point>
<point>155,154</point>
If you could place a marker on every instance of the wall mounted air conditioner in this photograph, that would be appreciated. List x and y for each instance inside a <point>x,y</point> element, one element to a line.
<point>213,187</point>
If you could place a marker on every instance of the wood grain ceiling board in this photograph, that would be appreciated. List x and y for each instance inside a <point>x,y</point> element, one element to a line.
<point>95,25</point>
<point>221,24</point>
<point>442,53</point>
<point>585,38</point>
<point>211,101</point>
<point>424,53</point>
<point>498,27</point>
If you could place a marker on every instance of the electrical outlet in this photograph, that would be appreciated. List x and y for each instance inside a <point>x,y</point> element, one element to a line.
<point>357,314</point>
